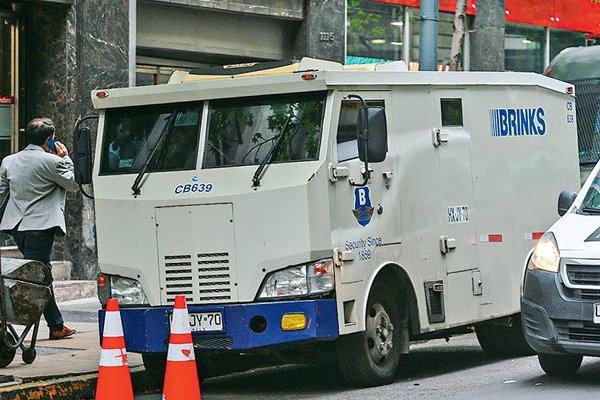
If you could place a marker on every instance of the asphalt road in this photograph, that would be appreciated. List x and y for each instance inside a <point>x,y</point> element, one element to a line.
<point>434,370</point>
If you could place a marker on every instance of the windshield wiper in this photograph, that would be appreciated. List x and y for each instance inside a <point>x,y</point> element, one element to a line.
<point>590,210</point>
<point>137,184</point>
<point>271,154</point>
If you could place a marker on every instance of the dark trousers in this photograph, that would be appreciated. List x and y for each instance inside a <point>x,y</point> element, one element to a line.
<point>37,245</point>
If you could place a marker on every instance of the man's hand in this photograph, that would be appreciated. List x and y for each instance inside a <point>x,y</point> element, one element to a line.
<point>61,149</point>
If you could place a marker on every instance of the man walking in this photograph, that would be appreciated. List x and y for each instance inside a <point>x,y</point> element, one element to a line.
<point>35,180</point>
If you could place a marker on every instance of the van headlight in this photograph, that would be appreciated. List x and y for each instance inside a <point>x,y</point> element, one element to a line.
<point>301,280</point>
<point>125,290</point>
<point>546,256</point>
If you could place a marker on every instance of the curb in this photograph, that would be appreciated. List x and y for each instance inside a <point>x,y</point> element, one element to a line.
<point>76,387</point>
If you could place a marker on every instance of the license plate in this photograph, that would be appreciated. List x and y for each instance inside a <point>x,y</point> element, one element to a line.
<point>205,321</point>
<point>597,313</point>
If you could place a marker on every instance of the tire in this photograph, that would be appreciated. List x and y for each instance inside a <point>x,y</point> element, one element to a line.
<point>7,355</point>
<point>504,341</point>
<point>29,355</point>
<point>155,364</point>
<point>370,358</point>
<point>559,365</point>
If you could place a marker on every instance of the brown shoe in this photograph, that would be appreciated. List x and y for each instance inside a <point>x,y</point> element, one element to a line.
<point>61,333</point>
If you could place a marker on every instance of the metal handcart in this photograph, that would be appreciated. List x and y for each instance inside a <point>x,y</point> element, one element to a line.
<point>25,290</point>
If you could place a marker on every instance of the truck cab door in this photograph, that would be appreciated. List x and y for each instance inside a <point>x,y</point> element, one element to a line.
<point>359,212</point>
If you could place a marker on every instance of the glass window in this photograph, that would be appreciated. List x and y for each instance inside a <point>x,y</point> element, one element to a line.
<point>374,32</point>
<point>245,131</point>
<point>524,48</point>
<point>347,147</point>
<point>560,40</point>
<point>132,133</point>
<point>452,112</point>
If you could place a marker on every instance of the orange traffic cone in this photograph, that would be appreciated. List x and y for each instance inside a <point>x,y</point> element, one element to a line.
<point>181,375</point>
<point>114,380</point>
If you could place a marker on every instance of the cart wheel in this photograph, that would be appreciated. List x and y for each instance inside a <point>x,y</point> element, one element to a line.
<point>6,354</point>
<point>29,355</point>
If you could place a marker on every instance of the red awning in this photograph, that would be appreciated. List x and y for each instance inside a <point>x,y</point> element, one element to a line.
<point>573,15</point>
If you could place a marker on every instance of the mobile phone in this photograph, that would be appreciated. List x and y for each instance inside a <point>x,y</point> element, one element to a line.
<point>52,145</point>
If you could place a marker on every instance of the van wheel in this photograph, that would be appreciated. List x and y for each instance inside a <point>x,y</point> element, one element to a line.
<point>504,341</point>
<point>370,358</point>
<point>559,365</point>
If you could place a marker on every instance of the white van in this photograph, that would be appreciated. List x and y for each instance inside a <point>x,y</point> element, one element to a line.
<point>561,293</point>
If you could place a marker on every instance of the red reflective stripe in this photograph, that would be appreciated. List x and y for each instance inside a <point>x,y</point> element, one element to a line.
<point>537,235</point>
<point>495,238</point>
<point>113,342</point>
<point>180,338</point>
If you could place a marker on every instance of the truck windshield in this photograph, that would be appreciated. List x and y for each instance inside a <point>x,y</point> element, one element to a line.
<point>243,131</point>
<point>131,134</point>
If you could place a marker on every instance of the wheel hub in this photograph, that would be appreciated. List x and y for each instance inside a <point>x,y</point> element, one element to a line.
<point>380,333</point>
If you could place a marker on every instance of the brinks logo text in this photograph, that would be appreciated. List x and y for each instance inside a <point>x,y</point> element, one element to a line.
<point>518,121</point>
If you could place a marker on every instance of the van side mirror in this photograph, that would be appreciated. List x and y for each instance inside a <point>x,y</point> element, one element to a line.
<point>83,155</point>
<point>376,137</point>
<point>565,201</point>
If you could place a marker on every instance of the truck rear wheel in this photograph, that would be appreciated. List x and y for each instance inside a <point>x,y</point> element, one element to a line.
<point>504,341</point>
<point>370,358</point>
<point>559,365</point>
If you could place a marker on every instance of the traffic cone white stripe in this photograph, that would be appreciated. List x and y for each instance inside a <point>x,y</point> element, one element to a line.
<point>181,352</point>
<point>113,358</point>
<point>180,322</point>
<point>112,324</point>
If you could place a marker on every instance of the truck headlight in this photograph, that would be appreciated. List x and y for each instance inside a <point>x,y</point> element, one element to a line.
<point>302,280</point>
<point>125,290</point>
<point>546,256</point>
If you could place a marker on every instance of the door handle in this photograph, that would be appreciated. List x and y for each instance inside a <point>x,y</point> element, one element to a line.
<point>447,244</point>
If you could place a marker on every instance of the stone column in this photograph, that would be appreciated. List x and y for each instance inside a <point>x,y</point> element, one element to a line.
<point>72,50</point>
<point>323,31</point>
<point>487,41</point>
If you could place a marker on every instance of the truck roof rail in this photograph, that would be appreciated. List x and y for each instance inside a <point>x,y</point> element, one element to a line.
<point>253,69</point>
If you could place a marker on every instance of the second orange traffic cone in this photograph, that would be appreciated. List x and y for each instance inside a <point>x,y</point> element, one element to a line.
<point>181,375</point>
<point>114,380</point>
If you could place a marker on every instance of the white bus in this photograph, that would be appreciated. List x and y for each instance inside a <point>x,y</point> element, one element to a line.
<point>290,223</point>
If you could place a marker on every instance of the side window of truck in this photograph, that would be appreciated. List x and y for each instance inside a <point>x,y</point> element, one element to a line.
<point>347,146</point>
<point>452,114</point>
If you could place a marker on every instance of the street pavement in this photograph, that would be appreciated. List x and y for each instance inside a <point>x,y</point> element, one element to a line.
<point>434,370</point>
<point>76,355</point>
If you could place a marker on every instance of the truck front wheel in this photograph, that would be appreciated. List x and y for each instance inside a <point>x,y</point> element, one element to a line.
<point>370,358</point>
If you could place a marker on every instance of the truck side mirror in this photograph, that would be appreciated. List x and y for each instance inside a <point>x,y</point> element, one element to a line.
<point>565,200</point>
<point>83,156</point>
<point>377,135</point>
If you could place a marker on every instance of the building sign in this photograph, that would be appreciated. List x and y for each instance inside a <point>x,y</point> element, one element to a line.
<point>7,100</point>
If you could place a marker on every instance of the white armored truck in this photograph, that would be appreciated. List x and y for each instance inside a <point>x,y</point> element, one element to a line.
<point>308,205</point>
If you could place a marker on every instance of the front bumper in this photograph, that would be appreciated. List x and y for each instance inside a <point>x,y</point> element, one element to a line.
<point>554,322</point>
<point>146,329</point>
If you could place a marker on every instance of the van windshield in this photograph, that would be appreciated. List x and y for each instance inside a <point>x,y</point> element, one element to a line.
<point>242,131</point>
<point>591,203</point>
<point>131,134</point>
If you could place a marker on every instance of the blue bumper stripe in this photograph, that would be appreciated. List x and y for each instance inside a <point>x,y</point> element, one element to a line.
<point>147,329</point>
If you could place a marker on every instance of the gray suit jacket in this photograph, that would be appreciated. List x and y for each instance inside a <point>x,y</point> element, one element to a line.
<point>35,183</point>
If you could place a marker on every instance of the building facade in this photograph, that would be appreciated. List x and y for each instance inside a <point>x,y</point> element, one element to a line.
<point>535,30</point>
<point>54,52</point>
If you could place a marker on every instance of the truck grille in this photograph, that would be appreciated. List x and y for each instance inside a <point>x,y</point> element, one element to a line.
<point>196,250</point>
<point>583,294</point>
<point>578,331</point>
<point>202,279</point>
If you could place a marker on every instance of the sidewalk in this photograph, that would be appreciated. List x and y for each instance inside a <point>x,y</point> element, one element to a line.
<point>63,369</point>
